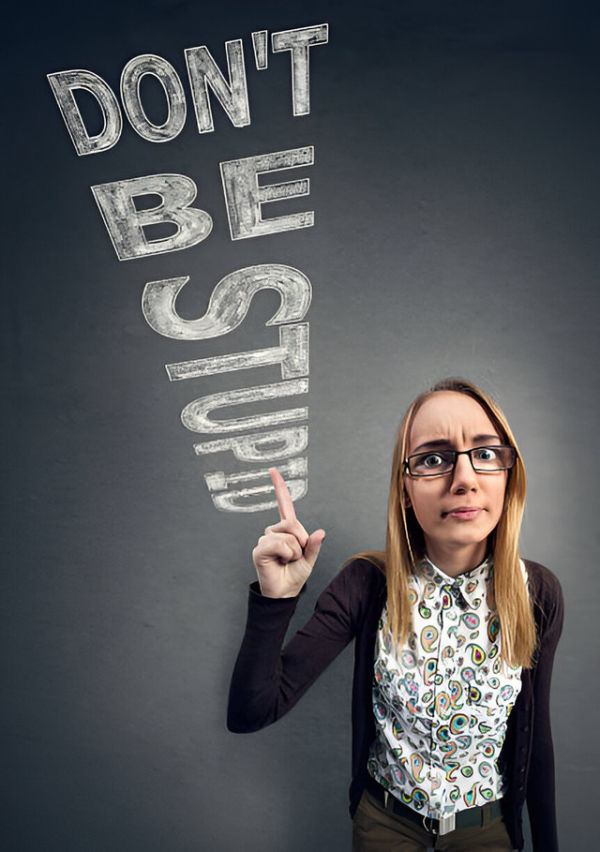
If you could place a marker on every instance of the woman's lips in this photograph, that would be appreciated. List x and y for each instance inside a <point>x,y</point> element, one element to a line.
<point>464,513</point>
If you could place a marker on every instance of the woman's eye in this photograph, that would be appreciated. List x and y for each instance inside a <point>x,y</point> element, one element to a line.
<point>485,454</point>
<point>432,460</point>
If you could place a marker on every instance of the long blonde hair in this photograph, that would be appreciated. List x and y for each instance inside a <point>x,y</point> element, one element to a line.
<point>405,541</point>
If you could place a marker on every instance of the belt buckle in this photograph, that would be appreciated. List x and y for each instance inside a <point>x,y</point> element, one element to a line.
<point>446,824</point>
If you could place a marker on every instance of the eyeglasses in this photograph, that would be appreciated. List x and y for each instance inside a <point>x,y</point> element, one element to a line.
<point>441,462</point>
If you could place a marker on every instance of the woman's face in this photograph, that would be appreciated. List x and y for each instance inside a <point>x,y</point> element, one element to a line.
<point>456,511</point>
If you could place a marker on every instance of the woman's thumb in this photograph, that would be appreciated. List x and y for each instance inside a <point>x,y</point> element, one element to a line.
<point>313,546</point>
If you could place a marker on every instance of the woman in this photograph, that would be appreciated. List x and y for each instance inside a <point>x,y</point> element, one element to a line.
<point>455,640</point>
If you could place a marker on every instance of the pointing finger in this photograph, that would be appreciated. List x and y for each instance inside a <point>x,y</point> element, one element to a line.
<point>284,501</point>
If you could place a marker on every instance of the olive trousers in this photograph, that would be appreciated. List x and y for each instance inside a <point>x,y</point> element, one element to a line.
<point>376,829</point>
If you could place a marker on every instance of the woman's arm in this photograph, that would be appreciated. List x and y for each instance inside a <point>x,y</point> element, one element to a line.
<point>267,681</point>
<point>541,803</point>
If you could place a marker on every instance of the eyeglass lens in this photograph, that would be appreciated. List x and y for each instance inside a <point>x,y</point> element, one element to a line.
<point>442,461</point>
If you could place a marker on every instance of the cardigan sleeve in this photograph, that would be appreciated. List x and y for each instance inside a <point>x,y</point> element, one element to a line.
<point>541,803</point>
<point>267,680</point>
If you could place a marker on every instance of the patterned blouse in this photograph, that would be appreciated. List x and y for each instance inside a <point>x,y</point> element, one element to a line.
<point>441,703</point>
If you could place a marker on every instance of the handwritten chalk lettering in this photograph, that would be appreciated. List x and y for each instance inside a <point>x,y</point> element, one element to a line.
<point>195,415</point>
<point>163,71</point>
<point>229,501</point>
<point>229,301</point>
<point>63,84</point>
<point>244,196</point>
<point>125,224</point>
<point>291,355</point>
<point>203,73</point>
<point>131,228</point>
<point>228,306</point>
<point>260,447</point>
<point>299,42</point>
<point>259,45</point>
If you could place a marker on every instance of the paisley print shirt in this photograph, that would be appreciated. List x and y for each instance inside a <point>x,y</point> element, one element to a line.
<point>441,703</point>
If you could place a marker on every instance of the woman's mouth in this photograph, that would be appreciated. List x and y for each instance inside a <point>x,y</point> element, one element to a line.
<point>464,513</point>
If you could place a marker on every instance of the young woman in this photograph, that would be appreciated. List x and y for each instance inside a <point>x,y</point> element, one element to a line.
<point>454,641</point>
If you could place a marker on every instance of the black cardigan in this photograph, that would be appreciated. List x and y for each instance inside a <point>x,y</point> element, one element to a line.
<point>267,682</point>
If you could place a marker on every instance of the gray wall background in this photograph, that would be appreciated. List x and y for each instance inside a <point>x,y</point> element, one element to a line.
<point>455,190</point>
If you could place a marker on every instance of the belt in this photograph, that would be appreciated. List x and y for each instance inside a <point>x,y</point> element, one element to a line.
<point>461,819</point>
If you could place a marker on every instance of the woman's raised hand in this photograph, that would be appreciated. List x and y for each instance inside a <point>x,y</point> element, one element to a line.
<point>286,553</point>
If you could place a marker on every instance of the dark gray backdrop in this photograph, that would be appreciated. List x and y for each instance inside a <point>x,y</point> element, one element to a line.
<point>455,191</point>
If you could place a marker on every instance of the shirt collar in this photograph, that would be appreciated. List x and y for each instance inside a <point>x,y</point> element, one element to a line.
<point>472,585</point>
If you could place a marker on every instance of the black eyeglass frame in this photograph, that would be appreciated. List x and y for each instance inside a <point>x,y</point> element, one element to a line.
<point>456,454</point>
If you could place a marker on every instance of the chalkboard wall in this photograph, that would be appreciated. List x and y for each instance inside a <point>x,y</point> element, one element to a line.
<point>385,194</point>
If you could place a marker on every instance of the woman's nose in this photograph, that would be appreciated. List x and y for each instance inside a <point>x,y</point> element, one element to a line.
<point>463,475</point>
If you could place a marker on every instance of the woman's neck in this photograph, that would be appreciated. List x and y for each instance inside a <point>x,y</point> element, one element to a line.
<point>456,561</point>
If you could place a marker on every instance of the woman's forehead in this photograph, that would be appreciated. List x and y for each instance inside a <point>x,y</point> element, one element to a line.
<point>450,415</point>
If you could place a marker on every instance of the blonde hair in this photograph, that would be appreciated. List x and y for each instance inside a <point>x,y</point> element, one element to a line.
<point>405,541</point>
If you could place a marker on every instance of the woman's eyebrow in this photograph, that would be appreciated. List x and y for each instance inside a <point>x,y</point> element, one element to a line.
<point>477,440</point>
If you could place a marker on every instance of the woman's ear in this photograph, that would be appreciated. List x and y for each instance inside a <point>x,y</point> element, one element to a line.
<point>406,499</point>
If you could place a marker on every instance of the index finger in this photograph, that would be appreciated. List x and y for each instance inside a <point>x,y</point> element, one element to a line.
<point>284,501</point>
